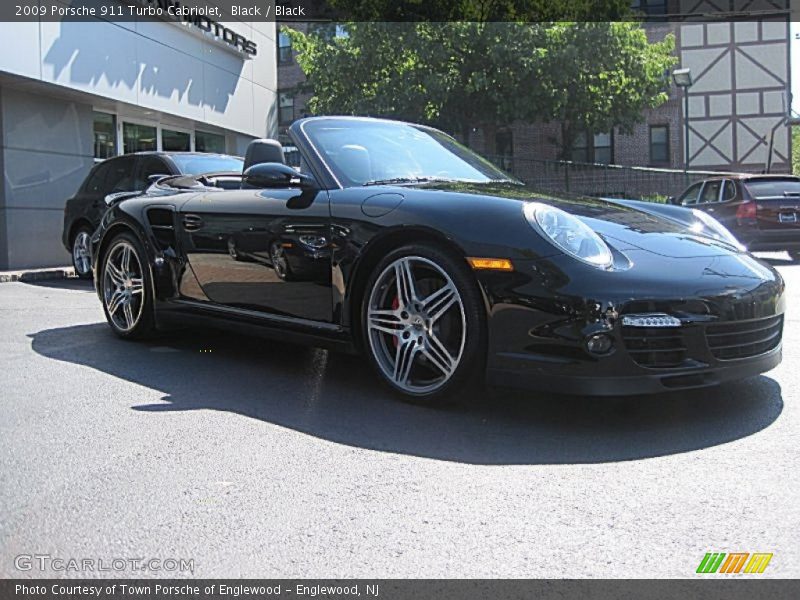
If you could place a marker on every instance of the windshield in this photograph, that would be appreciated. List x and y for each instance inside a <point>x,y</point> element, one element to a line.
<point>197,164</point>
<point>774,188</point>
<point>363,152</point>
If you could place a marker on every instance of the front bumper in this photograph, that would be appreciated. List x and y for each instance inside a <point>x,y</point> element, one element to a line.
<point>540,317</point>
<point>532,375</point>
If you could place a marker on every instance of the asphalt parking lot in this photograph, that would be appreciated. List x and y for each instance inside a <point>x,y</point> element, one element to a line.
<point>262,459</point>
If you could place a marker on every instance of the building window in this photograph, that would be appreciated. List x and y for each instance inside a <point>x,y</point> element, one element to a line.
<point>105,135</point>
<point>175,141</point>
<point>329,31</point>
<point>597,148</point>
<point>659,144</point>
<point>285,108</point>
<point>580,148</point>
<point>284,49</point>
<point>603,148</point>
<point>504,142</point>
<point>138,138</point>
<point>209,142</point>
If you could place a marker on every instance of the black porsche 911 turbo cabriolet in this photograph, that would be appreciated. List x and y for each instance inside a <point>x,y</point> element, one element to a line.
<point>393,240</point>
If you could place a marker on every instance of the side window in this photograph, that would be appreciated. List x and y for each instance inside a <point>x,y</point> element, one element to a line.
<point>728,191</point>
<point>95,184</point>
<point>690,195</point>
<point>120,177</point>
<point>710,192</point>
<point>148,166</point>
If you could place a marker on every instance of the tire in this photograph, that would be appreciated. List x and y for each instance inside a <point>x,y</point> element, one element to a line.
<point>126,288</point>
<point>426,341</point>
<point>794,255</point>
<point>82,252</point>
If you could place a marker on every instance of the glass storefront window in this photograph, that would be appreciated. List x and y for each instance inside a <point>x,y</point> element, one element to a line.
<point>105,135</point>
<point>285,108</point>
<point>138,138</point>
<point>209,142</point>
<point>175,141</point>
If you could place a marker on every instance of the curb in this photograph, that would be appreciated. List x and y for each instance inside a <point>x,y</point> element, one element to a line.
<point>37,274</point>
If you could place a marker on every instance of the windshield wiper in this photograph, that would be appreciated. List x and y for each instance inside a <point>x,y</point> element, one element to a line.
<point>400,180</point>
<point>403,180</point>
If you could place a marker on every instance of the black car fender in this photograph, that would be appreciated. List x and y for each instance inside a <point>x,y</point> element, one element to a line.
<point>122,218</point>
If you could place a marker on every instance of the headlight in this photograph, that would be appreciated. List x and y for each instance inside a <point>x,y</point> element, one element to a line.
<point>715,229</point>
<point>569,234</point>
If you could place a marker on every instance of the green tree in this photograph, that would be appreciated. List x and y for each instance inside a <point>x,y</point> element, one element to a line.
<point>481,10</point>
<point>796,149</point>
<point>459,75</point>
<point>603,75</point>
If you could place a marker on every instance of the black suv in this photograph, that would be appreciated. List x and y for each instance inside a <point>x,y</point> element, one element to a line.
<point>127,173</point>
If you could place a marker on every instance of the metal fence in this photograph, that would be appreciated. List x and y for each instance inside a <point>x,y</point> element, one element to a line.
<point>602,180</point>
<point>591,179</point>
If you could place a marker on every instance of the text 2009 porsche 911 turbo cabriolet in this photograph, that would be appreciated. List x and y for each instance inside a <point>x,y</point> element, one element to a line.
<point>395,241</point>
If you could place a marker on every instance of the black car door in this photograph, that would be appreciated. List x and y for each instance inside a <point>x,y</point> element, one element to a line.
<point>265,250</point>
<point>113,175</point>
<point>91,197</point>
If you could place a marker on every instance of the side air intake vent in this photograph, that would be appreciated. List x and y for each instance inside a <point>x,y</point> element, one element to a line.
<point>162,222</point>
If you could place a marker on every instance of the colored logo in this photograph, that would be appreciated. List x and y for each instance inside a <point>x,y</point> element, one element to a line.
<point>734,562</point>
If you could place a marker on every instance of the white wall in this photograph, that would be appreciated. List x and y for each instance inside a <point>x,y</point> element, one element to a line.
<point>152,64</point>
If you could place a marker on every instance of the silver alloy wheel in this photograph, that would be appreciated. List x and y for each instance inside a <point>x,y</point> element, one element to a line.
<point>123,286</point>
<point>416,325</point>
<point>82,253</point>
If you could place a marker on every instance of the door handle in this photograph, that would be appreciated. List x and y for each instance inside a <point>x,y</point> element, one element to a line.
<point>192,222</point>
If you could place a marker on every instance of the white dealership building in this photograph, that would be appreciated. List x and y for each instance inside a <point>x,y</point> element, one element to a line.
<point>75,92</point>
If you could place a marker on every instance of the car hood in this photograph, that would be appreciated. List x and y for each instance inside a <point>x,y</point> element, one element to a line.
<point>624,227</point>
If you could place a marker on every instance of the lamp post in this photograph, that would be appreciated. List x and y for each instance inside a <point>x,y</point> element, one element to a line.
<point>683,79</point>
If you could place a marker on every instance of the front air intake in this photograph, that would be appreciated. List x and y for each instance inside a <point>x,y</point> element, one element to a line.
<point>744,339</point>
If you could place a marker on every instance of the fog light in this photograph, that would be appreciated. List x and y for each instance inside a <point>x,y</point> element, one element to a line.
<point>599,343</point>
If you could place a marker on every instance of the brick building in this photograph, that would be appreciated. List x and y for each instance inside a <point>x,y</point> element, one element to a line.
<point>738,101</point>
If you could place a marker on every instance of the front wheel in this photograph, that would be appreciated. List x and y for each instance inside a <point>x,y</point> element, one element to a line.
<point>127,288</point>
<point>424,323</point>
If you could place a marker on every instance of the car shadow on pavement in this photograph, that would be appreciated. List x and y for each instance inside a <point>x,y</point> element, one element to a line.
<point>68,283</point>
<point>335,397</point>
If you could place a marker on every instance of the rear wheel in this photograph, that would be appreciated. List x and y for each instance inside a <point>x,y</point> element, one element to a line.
<point>82,252</point>
<point>127,288</point>
<point>423,323</point>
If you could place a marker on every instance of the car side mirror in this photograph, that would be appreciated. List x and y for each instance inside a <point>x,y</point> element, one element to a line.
<point>119,197</point>
<point>268,175</point>
<point>672,200</point>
